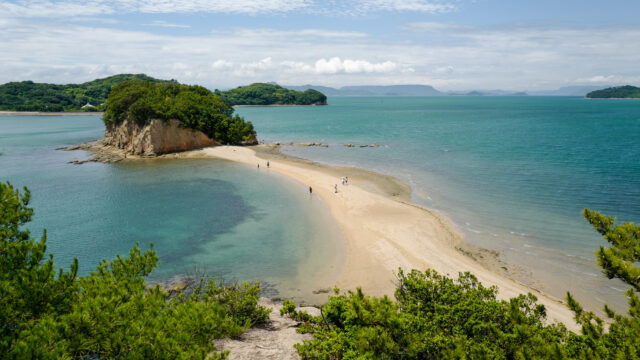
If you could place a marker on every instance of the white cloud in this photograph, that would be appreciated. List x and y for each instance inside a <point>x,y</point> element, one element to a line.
<point>335,65</point>
<point>222,64</point>
<point>46,8</point>
<point>51,8</point>
<point>435,27</point>
<point>610,79</point>
<point>427,6</point>
<point>444,70</point>
<point>254,68</point>
<point>302,33</point>
<point>511,58</point>
<point>64,8</point>
<point>161,23</point>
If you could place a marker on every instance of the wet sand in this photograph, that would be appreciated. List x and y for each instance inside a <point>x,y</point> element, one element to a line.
<point>382,230</point>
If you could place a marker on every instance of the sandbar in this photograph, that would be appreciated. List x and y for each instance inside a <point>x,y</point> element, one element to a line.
<point>382,229</point>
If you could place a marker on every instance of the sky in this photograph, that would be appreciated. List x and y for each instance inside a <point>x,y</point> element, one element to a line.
<point>449,44</point>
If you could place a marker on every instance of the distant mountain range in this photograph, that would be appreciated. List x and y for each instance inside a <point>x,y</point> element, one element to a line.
<point>426,90</point>
<point>373,90</point>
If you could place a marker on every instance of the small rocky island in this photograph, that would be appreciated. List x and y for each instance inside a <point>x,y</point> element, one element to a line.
<point>148,119</point>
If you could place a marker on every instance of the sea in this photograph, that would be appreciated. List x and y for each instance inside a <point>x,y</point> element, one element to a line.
<point>210,218</point>
<point>511,173</point>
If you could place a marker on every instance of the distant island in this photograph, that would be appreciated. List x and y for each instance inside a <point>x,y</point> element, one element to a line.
<point>618,92</point>
<point>426,90</point>
<point>151,118</point>
<point>89,96</point>
<point>271,94</point>
<point>372,90</point>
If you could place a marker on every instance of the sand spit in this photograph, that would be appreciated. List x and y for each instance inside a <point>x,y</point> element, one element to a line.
<point>382,230</point>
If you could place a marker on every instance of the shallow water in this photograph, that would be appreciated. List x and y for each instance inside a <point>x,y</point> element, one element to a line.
<point>221,218</point>
<point>513,173</point>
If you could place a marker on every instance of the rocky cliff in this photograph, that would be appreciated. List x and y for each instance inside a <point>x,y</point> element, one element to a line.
<point>155,138</point>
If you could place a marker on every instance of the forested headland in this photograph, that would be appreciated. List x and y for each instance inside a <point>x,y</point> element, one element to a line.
<point>618,92</point>
<point>271,94</point>
<point>195,107</point>
<point>89,96</point>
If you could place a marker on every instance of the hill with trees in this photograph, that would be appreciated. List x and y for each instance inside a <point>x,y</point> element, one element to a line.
<point>271,94</point>
<point>618,92</point>
<point>193,106</point>
<point>88,96</point>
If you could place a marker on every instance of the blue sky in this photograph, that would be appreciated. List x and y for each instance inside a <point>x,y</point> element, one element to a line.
<point>450,44</point>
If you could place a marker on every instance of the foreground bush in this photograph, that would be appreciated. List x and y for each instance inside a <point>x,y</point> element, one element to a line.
<point>110,313</point>
<point>436,317</point>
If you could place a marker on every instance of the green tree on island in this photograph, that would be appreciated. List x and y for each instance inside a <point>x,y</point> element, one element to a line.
<point>618,92</point>
<point>194,106</point>
<point>89,96</point>
<point>270,94</point>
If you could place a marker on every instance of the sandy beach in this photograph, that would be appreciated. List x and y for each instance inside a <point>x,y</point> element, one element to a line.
<point>382,230</point>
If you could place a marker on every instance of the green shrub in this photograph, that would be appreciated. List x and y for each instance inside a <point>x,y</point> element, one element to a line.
<point>289,309</point>
<point>436,317</point>
<point>111,313</point>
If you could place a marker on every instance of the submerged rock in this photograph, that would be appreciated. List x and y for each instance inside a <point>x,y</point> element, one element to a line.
<point>311,144</point>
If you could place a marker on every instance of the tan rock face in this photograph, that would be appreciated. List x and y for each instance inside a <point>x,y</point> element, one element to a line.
<point>157,137</point>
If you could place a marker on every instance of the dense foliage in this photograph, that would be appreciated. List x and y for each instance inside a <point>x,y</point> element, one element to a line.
<point>618,92</point>
<point>270,94</point>
<point>30,96</point>
<point>435,317</point>
<point>194,106</point>
<point>111,313</point>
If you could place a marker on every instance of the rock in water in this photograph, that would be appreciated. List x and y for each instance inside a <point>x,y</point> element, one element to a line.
<point>155,138</point>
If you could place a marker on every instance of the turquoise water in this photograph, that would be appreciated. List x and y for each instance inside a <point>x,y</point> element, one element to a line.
<point>513,173</point>
<point>221,218</point>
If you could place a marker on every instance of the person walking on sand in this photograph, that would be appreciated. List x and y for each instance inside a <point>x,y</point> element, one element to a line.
<point>346,180</point>
<point>310,190</point>
<point>267,164</point>
<point>335,187</point>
